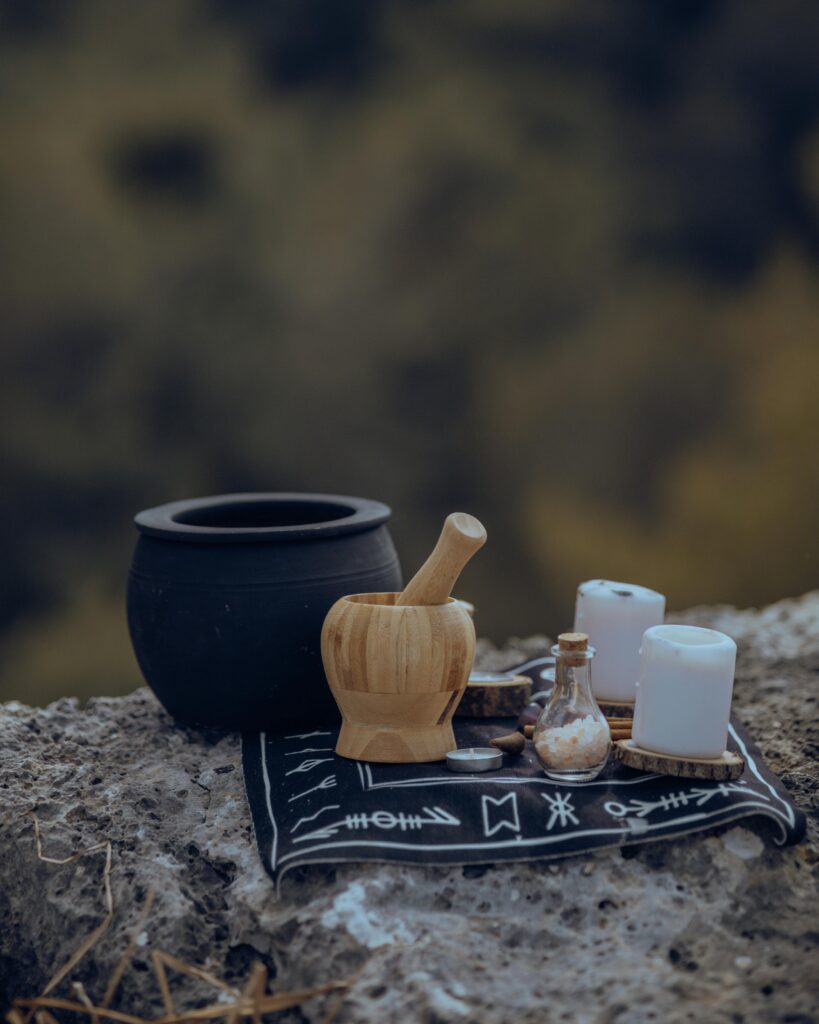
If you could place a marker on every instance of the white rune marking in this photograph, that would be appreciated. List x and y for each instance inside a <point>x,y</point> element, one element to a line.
<point>671,801</point>
<point>307,750</point>
<point>312,817</point>
<point>305,766</point>
<point>506,818</point>
<point>327,783</point>
<point>307,735</point>
<point>384,820</point>
<point>562,810</point>
<point>638,826</point>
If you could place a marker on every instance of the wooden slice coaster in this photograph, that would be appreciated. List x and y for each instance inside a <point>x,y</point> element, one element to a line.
<point>494,695</point>
<point>721,769</point>
<point>618,709</point>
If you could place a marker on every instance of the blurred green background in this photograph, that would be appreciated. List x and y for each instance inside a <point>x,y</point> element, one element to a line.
<point>551,262</point>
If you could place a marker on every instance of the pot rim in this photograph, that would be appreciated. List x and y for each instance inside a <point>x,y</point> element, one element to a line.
<point>163,521</point>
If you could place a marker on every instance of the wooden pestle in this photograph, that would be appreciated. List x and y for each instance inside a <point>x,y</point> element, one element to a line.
<point>460,538</point>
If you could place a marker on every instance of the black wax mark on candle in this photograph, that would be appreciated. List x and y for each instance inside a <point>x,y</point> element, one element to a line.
<point>624,593</point>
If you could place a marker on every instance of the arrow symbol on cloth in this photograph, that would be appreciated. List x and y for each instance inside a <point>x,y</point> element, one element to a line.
<point>383,820</point>
<point>327,783</point>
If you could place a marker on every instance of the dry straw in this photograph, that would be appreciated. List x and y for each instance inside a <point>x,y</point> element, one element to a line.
<point>252,1001</point>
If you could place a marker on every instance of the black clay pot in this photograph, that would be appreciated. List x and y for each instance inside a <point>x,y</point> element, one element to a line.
<point>227,596</point>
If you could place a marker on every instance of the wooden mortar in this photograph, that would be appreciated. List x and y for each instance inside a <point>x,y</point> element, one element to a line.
<point>398,668</point>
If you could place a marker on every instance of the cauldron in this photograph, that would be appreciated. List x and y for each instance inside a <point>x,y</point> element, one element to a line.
<point>227,596</point>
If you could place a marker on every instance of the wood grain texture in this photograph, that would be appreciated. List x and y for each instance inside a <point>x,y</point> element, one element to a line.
<point>499,699</point>
<point>397,674</point>
<point>460,538</point>
<point>721,769</point>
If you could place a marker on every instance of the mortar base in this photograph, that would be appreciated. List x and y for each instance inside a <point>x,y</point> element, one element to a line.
<point>386,745</point>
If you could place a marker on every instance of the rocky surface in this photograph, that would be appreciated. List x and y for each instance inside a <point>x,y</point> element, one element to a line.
<point>716,928</point>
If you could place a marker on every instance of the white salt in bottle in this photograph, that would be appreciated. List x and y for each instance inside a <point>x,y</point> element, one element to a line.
<point>571,736</point>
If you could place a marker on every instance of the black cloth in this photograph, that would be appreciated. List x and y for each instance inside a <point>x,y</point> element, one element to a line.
<point>310,806</point>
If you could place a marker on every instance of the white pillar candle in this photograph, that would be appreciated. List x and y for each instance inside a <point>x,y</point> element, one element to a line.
<point>684,691</point>
<point>615,616</point>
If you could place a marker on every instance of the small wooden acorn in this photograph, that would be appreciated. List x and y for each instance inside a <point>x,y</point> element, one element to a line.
<point>397,664</point>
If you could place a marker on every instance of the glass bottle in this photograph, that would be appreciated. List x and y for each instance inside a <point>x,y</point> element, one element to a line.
<point>571,737</point>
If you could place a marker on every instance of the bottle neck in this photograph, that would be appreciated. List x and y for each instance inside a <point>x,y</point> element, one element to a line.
<point>573,678</point>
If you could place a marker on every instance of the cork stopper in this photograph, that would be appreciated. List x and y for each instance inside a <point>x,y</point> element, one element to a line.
<point>573,643</point>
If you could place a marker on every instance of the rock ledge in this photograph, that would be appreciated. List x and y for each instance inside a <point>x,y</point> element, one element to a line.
<point>720,928</point>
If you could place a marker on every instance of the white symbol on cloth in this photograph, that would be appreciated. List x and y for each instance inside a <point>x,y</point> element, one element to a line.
<point>385,820</point>
<point>561,808</point>
<point>327,783</point>
<point>637,826</point>
<point>672,801</point>
<point>312,762</point>
<point>506,817</point>
<point>312,817</point>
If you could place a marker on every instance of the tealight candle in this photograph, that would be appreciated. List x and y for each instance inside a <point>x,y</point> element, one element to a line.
<point>474,759</point>
<point>684,691</point>
<point>615,616</point>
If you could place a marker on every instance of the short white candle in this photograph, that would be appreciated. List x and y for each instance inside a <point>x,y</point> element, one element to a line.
<point>684,691</point>
<point>474,759</point>
<point>615,616</point>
